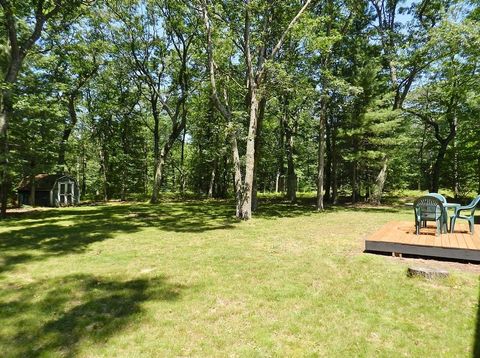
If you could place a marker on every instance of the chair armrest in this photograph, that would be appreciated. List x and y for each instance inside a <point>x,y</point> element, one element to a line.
<point>461,208</point>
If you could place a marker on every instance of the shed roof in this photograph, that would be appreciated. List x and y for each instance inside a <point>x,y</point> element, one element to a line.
<point>42,181</point>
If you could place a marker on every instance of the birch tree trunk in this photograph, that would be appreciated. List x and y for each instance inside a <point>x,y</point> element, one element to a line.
<point>456,184</point>
<point>182,162</point>
<point>322,122</point>
<point>84,170</point>
<point>212,183</point>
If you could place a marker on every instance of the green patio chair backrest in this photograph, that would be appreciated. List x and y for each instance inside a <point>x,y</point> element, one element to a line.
<point>428,208</point>
<point>438,196</point>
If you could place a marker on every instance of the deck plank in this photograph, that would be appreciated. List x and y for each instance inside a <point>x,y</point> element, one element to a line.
<point>444,242</point>
<point>469,241</point>
<point>476,240</point>
<point>461,241</point>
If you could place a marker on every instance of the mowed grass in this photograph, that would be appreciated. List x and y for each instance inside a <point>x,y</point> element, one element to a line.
<point>187,279</point>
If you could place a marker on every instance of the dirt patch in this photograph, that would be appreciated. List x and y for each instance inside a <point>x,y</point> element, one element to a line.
<point>438,264</point>
<point>14,212</point>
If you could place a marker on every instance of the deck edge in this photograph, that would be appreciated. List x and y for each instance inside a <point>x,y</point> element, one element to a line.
<point>420,250</point>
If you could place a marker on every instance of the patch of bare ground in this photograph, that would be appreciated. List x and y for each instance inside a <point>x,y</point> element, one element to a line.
<point>438,264</point>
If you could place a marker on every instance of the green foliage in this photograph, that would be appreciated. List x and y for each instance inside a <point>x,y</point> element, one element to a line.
<point>119,62</point>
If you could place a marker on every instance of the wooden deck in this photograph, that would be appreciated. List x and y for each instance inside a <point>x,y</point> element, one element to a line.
<point>398,237</point>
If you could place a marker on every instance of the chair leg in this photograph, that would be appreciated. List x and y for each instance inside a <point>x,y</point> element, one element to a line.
<point>471,225</point>
<point>452,224</point>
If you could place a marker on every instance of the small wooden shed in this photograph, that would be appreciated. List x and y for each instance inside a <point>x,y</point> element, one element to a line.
<point>50,190</point>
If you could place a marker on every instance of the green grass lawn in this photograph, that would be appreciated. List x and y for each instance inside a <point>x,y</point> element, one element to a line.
<point>187,279</point>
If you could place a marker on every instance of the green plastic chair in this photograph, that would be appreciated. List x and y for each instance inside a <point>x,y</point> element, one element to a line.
<point>470,218</point>
<point>443,200</point>
<point>429,208</point>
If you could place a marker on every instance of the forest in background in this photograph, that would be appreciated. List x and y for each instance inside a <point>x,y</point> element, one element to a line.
<point>227,98</point>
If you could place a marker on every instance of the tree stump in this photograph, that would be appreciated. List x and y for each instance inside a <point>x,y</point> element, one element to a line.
<point>426,272</point>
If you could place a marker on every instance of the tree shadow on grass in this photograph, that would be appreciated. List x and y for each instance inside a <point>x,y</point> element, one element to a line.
<point>191,216</point>
<point>55,316</point>
<point>46,233</point>
<point>278,207</point>
<point>64,231</point>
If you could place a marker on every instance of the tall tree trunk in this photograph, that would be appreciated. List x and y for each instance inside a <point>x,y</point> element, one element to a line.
<point>437,167</point>
<point>157,164</point>
<point>258,147</point>
<point>84,170</point>
<point>281,160</point>
<point>182,162</point>
<point>355,193</point>
<point>247,190</point>
<point>380,182</point>
<point>420,167</point>
<point>221,187</point>
<point>104,170</point>
<point>237,176</point>
<point>123,185</point>
<point>291,175</point>
<point>289,149</point>
<point>456,184</point>
<point>67,130</point>
<point>162,158</point>
<point>5,115</point>
<point>328,166</point>
<point>212,182</point>
<point>334,167</point>
<point>255,79</point>
<point>322,122</point>
<point>288,139</point>
<point>443,141</point>
<point>146,177</point>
